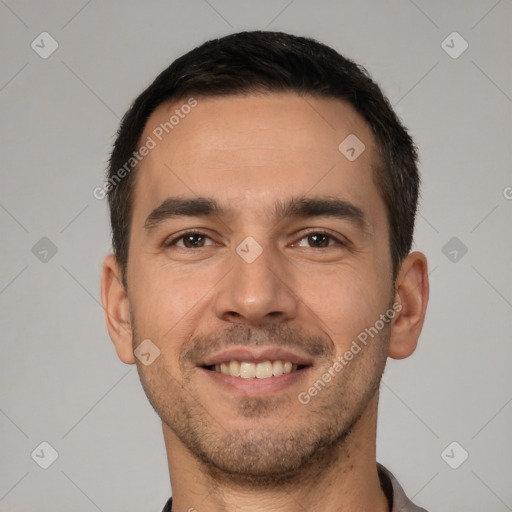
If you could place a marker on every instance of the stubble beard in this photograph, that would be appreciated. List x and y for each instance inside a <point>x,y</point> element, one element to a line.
<point>289,452</point>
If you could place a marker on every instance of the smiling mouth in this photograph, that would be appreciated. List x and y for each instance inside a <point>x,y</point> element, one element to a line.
<point>250,370</point>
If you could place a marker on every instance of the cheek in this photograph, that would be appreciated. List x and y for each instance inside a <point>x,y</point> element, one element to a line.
<point>346,301</point>
<point>166,301</point>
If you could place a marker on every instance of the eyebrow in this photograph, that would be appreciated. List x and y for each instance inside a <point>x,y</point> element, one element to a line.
<point>300,207</point>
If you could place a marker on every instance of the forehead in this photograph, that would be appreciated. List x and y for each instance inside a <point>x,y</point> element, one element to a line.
<point>256,149</point>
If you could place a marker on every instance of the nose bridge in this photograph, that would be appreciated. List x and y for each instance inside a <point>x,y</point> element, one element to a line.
<point>255,291</point>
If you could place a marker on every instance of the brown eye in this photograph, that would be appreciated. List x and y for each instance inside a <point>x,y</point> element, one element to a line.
<point>191,240</point>
<point>194,240</point>
<point>318,240</point>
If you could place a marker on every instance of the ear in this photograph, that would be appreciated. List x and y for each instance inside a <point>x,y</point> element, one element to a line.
<point>412,295</point>
<point>117,309</point>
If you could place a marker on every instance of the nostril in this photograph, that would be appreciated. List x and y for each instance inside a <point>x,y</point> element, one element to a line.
<point>233,316</point>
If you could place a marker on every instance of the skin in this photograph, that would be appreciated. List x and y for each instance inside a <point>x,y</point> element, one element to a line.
<point>227,449</point>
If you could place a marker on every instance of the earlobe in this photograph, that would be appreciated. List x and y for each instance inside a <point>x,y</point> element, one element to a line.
<point>412,291</point>
<point>117,309</point>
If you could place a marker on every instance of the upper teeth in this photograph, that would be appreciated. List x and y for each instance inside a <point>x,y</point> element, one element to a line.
<point>248,370</point>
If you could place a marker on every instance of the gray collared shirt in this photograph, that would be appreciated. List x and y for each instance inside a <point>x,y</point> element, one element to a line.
<point>397,498</point>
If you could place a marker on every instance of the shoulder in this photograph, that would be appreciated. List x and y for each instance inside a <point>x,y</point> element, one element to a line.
<point>396,495</point>
<point>168,506</point>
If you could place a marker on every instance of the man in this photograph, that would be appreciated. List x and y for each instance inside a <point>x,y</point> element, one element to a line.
<point>263,196</point>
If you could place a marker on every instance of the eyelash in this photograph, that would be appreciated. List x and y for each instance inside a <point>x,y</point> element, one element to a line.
<point>315,232</point>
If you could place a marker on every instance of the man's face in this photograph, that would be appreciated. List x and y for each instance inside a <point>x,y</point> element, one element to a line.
<point>268,245</point>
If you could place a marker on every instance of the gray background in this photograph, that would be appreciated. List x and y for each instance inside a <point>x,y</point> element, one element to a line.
<point>60,380</point>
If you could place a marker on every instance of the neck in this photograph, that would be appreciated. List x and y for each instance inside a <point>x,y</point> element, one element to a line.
<point>344,479</point>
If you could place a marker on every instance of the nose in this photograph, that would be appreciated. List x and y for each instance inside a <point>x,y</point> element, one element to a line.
<point>258,293</point>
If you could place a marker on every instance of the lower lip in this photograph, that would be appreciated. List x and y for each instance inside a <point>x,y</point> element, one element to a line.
<point>255,387</point>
